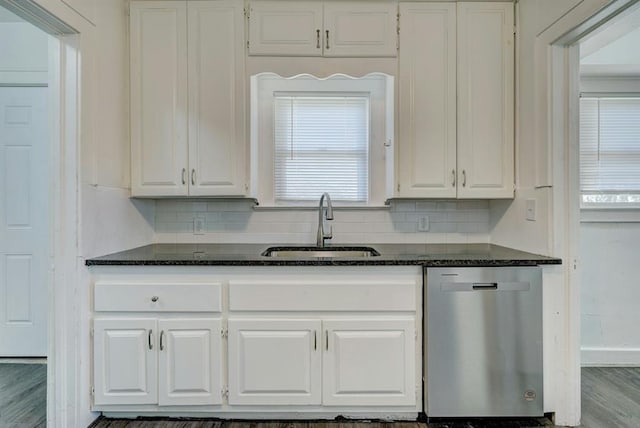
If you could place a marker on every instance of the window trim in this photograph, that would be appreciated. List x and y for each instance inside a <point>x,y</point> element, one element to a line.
<point>264,86</point>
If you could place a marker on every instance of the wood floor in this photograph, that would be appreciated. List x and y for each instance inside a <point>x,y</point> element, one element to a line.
<point>23,395</point>
<point>610,399</point>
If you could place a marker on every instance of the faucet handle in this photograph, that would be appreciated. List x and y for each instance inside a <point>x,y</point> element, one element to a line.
<point>329,233</point>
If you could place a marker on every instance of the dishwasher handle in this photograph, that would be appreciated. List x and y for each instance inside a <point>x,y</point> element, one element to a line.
<point>485,286</point>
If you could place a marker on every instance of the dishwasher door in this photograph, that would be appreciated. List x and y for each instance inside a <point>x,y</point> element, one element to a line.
<point>483,342</point>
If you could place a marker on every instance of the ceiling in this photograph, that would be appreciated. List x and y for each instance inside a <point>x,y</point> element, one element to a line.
<point>613,48</point>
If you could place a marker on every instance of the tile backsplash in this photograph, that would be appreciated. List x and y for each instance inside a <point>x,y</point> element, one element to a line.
<point>238,221</point>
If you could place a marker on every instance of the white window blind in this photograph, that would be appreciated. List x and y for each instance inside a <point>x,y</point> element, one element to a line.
<point>610,150</point>
<point>321,145</point>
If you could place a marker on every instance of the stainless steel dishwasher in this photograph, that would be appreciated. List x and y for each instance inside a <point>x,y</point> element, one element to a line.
<point>483,342</point>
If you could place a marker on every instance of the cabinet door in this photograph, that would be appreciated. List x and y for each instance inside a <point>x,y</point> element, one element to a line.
<point>485,100</point>
<point>125,361</point>
<point>158,98</point>
<point>189,361</point>
<point>216,98</point>
<point>286,28</point>
<point>427,146</point>
<point>274,361</point>
<point>369,362</point>
<point>353,29</point>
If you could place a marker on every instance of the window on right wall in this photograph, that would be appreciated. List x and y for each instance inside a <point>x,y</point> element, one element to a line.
<point>610,151</point>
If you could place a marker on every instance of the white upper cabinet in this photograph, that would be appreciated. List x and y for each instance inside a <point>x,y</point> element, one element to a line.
<point>353,29</point>
<point>285,28</point>
<point>485,100</point>
<point>216,99</point>
<point>332,29</point>
<point>187,98</point>
<point>427,84</point>
<point>456,135</point>
<point>158,98</point>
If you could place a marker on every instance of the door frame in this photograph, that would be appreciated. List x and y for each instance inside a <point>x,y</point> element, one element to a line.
<point>559,43</point>
<point>63,360</point>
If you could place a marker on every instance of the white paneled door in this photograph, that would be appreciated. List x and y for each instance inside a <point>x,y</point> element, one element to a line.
<point>24,220</point>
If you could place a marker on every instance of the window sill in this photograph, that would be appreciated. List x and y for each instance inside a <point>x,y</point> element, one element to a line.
<point>630,214</point>
<point>315,207</point>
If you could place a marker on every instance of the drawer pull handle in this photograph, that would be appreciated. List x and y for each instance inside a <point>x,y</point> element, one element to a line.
<point>149,339</point>
<point>161,340</point>
<point>154,299</point>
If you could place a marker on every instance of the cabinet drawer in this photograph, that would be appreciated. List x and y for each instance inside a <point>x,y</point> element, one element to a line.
<point>169,297</point>
<point>322,296</point>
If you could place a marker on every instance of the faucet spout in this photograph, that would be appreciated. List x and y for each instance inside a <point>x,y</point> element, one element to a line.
<point>328,215</point>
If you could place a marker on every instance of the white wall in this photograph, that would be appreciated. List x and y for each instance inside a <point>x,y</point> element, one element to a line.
<point>111,221</point>
<point>541,159</point>
<point>610,292</point>
<point>609,249</point>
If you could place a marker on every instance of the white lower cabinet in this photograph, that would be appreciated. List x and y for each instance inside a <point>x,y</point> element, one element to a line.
<point>189,357</point>
<point>256,342</point>
<point>369,362</point>
<point>125,362</point>
<point>333,362</point>
<point>274,361</point>
<point>157,361</point>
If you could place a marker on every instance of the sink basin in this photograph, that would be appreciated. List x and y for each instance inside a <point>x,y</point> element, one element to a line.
<point>323,252</point>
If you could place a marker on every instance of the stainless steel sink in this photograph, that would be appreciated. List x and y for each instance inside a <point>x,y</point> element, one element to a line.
<point>320,252</point>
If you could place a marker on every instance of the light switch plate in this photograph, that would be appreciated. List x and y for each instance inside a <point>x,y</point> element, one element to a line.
<point>531,209</point>
<point>198,226</point>
<point>423,223</point>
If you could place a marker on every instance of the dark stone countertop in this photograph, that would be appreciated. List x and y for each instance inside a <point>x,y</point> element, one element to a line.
<point>429,255</point>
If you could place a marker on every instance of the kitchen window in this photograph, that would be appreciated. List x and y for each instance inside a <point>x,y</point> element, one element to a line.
<point>610,151</point>
<point>312,135</point>
<point>321,145</point>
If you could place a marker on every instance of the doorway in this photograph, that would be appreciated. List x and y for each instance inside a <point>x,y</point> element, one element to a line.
<point>25,221</point>
<point>61,85</point>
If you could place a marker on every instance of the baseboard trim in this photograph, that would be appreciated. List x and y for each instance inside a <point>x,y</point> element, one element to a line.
<point>610,357</point>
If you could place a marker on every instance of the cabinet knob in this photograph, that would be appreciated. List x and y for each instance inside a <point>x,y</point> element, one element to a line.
<point>154,299</point>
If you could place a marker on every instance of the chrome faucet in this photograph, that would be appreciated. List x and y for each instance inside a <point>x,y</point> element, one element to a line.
<point>328,215</point>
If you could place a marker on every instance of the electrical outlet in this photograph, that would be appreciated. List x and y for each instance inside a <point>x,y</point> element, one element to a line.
<point>198,226</point>
<point>423,223</point>
<point>531,209</point>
